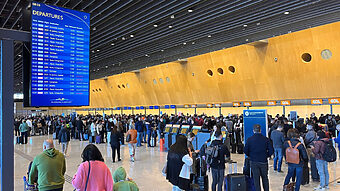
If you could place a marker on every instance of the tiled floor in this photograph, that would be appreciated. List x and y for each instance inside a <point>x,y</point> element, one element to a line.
<point>146,171</point>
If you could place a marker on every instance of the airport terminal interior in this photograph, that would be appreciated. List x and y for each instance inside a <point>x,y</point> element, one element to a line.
<point>194,95</point>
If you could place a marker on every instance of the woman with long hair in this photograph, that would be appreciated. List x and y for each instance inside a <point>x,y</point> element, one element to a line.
<point>115,143</point>
<point>92,174</point>
<point>179,161</point>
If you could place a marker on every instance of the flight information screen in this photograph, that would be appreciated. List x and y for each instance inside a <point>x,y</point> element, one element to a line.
<point>59,56</point>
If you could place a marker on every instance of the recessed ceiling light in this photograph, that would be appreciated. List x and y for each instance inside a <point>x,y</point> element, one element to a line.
<point>96,56</point>
<point>184,43</point>
<point>106,66</point>
<point>98,69</point>
<point>170,26</point>
<point>286,13</point>
<point>247,40</point>
<point>209,36</point>
<point>193,43</point>
<point>172,16</point>
<point>245,25</point>
<point>190,10</point>
<point>146,55</point>
<point>131,35</point>
<point>112,44</point>
<point>258,23</point>
<point>94,28</point>
<point>19,55</point>
<point>162,50</point>
<point>93,51</point>
<point>98,50</point>
<point>123,38</point>
<point>155,25</point>
<point>113,64</point>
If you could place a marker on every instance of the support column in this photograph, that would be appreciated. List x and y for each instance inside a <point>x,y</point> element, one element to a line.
<point>284,110</point>
<point>331,108</point>
<point>6,115</point>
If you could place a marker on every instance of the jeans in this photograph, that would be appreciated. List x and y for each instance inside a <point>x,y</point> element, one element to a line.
<point>260,170</point>
<point>322,167</point>
<point>176,188</point>
<point>218,178</point>
<point>291,169</point>
<point>314,170</point>
<point>132,149</point>
<point>149,137</point>
<point>139,138</point>
<point>64,146</point>
<point>24,137</point>
<point>144,136</point>
<point>278,158</point>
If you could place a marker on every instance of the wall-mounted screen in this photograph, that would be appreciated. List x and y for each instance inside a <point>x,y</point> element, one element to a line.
<point>59,56</point>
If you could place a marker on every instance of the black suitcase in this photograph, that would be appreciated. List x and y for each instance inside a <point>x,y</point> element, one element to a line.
<point>233,148</point>
<point>240,148</point>
<point>305,174</point>
<point>202,183</point>
<point>236,182</point>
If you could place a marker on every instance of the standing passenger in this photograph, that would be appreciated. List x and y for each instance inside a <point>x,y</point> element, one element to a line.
<point>321,164</point>
<point>278,139</point>
<point>132,143</point>
<point>258,148</point>
<point>115,143</point>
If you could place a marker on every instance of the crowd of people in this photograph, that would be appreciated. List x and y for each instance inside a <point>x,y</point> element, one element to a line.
<point>309,136</point>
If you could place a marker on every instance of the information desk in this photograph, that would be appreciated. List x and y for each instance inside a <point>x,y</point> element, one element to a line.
<point>184,130</point>
<point>167,136</point>
<point>174,132</point>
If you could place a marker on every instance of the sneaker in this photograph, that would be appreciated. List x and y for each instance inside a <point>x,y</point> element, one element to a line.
<point>319,188</point>
<point>327,187</point>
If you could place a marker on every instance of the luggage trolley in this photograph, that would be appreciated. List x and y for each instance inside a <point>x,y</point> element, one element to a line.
<point>28,187</point>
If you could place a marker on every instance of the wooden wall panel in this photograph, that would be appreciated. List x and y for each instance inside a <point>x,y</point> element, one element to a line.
<point>257,76</point>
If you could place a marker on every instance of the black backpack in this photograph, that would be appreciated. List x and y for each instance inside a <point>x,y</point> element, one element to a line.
<point>329,154</point>
<point>211,153</point>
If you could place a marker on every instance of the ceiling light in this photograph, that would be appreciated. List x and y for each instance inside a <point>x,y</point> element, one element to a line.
<point>19,55</point>
<point>94,28</point>
<point>113,64</point>
<point>93,51</point>
<point>106,66</point>
<point>184,43</point>
<point>131,35</point>
<point>247,40</point>
<point>258,23</point>
<point>146,55</point>
<point>97,69</point>
<point>286,13</point>
<point>193,43</point>
<point>209,36</point>
<point>245,25</point>
<point>123,38</point>
<point>162,50</point>
<point>96,56</point>
<point>172,16</point>
<point>190,10</point>
<point>98,50</point>
<point>170,26</point>
<point>155,25</point>
<point>112,44</point>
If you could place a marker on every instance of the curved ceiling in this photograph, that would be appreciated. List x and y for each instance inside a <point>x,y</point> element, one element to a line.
<point>129,35</point>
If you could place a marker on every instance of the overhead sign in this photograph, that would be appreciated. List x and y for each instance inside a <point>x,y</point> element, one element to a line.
<point>271,103</point>
<point>150,107</point>
<point>286,102</point>
<point>293,115</point>
<point>334,101</point>
<point>247,103</point>
<point>316,101</point>
<point>172,106</point>
<point>209,105</point>
<point>218,105</point>
<point>167,106</point>
<point>236,104</point>
<point>194,106</point>
<point>156,107</point>
<point>186,106</point>
<point>137,108</point>
<point>142,107</point>
<point>59,73</point>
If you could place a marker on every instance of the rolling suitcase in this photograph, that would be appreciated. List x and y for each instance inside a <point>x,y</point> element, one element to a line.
<point>90,139</point>
<point>54,135</point>
<point>98,138</point>
<point>152,142</point>
<point>202,183</point>
<point>233,148</point>
<point>235,181</point>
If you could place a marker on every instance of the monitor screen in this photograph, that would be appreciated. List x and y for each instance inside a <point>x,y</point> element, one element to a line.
<point>167,129</point>
<point>59,56</point>
<point>174,130</point>
<point>184,130</point>
<point>195,131</point>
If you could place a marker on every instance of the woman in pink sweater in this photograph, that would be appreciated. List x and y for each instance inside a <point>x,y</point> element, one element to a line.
<point>92,174</point>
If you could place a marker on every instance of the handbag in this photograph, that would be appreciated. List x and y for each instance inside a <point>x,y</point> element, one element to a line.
<point>128,138</point>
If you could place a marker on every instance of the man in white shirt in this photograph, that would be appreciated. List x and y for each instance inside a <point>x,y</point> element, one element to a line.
<point>29,124</point>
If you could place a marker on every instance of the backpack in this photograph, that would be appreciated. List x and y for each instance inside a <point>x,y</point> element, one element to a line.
<point>329,153</point>
<point>211,153</point>
<point>293,154</point>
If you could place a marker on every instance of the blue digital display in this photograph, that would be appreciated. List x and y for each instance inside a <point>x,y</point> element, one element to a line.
<point>156,107</point>
<point>60,56</point>
<point>167,106</point>
<point>173,106</point>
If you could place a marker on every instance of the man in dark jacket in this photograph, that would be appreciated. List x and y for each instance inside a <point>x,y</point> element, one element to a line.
<point>139,127</point>
<point>64,138</point>
<point>293,136</point>
<point>80,127</point>
<point>258,148</point>
<point>278,139</point>
<point>218,164</point>
<point>310,137</point>
<point>115,139</point>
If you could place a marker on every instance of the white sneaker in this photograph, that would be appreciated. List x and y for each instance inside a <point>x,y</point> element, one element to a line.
<point>319,188</point>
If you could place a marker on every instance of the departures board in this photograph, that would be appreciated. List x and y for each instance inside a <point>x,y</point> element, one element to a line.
<point>59,56</point>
